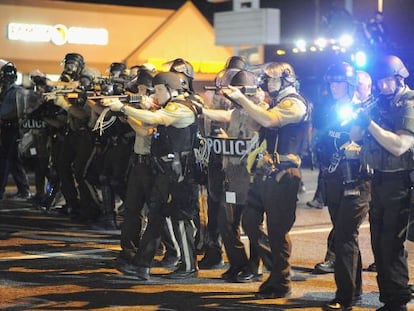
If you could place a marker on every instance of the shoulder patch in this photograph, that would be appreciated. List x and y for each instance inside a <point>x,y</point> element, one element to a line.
<point>172,107</point>
<point>286,103</point>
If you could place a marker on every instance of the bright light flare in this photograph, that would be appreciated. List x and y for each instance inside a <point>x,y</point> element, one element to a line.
<point>345,114</point>
<point>321,43</point>
<point>360,59</point>
<point>346,40</point>
<point>301,44</point>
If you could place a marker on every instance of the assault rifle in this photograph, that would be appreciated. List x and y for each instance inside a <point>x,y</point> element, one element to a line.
<point>246,90</point>
<point>130,99</point>
<point>350,113</point>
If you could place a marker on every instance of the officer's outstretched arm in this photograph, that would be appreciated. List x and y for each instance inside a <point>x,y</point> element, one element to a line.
<point>139,128</point>
<point>395,143</point>
<point>146,116</point>
<point>258,113</point>
<point>219,115</point>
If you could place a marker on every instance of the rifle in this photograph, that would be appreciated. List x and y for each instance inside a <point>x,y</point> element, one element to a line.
<point>352,112</point>
<point>246,90</point>
<point>68,93</point>
<point>131,98</point>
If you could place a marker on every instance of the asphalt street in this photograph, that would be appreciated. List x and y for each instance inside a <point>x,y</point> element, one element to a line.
<point>48,262</point>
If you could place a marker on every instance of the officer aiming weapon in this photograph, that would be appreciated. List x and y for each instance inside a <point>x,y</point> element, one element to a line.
<point>129,99</point>
<point>351,112</point>
<point>246,90</point>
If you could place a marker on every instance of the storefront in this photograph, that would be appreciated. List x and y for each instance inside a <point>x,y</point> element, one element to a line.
<point>37,35</point>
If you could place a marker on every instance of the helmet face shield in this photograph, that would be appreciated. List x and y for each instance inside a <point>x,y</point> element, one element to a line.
<point>73,64</point>
<point>182,66</point>
<point>71,68</point>
<point>263,81</point>
<point>274,85</point>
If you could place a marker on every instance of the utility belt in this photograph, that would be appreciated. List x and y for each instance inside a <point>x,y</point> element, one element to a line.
<point>276,171</point>
<point>172,163</point>
<point>144,159</point>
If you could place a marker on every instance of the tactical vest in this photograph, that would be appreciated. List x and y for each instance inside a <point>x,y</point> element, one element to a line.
<point>287,139</point>
<point>169,139</point>
<point>398,116</point>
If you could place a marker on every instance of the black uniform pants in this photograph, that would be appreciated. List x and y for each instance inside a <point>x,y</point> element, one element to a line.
<point>214,200</point>
<point>229,224</point>
<point>347,213</point>
<point>139,184</point>
<point>252,223</point>
<point>388,222</point>
<point>175,199</point>
<point>74,158</point>
<point>277,196</point>
<point>10,161</point>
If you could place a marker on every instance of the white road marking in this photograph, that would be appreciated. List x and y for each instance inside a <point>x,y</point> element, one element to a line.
<point>84,253</point>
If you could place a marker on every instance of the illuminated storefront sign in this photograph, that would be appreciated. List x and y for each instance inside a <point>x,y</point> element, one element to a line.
<point>57,34</point>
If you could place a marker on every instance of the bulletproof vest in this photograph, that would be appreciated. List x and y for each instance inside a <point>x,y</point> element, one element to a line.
<point>287,139</point>
<point>9,103</point>
<point>392,117</point>
<point>169,139</point>
<point>332,137</point>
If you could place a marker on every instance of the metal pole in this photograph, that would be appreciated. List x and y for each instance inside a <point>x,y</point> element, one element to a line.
<point>380,5</point>
<point>348,5</point>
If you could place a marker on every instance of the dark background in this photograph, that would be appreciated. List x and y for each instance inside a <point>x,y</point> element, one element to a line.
<point>303,19</point>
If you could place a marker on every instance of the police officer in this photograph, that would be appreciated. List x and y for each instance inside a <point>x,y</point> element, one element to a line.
<point>276,167</point>
<point>172,193</point>
<point>55,119</point>
<point>33,125</point>
<point>115,150</point>
<point>140,176</point>
<point>241,131</point>
<point>213,253</point>
<point>341,79</point>
<point>11,96</point>
<point>387,150</point>
<point>77,149</point>
<point>347,187</point>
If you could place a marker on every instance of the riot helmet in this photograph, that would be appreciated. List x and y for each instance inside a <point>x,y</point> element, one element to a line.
<point>8,73</point>
<point>88,77</point>
<point>342,72</point>
<point>390,66</point>
<point>144,77</point>
<point>171,80</point>
<point>116,70</point>
<point>73,65</point>
<point>276,77</point>
<point>236,62</point>
<point>180,65</point>
<point>243,78</point>
<point>233,65</point>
